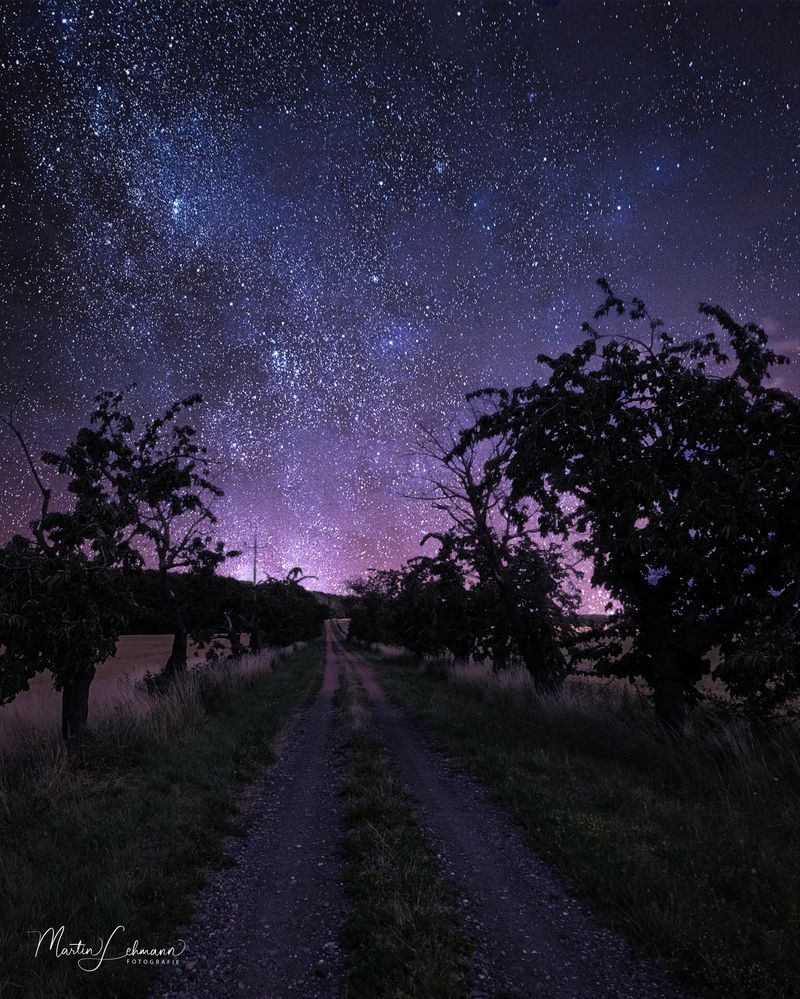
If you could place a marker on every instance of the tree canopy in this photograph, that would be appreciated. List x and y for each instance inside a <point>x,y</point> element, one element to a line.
<point>675,468</point>
<point>62,602</point>
<point>159,479</point>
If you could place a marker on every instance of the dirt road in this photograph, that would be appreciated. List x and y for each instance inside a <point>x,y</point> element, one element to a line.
<point>532,938</point>
<point>268,926</point>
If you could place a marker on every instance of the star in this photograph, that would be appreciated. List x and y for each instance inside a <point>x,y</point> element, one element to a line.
<point>333,225</point>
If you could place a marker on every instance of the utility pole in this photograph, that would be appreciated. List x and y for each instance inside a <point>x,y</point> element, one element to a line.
<point>255,631</point>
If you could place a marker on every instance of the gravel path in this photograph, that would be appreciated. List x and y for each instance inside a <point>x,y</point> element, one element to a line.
<point>532,938</point>
<point>268,926</point>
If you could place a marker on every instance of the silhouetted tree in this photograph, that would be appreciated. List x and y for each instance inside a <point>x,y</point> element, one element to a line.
<point>490,626</point>
<point>676,468</point>
<point>490,538</point>
<point>373,615</point>
<point>430,616</point>
<point>284,611</point>
<point>62,600</point>
<point>160,477</point>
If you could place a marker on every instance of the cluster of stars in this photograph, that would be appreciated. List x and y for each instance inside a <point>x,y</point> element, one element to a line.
<point>333,219</point>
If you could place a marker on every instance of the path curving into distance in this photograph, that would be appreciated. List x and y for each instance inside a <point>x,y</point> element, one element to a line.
<point>532,938</point>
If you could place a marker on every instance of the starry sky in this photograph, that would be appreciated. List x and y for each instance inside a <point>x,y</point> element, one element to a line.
<point>333,219</point>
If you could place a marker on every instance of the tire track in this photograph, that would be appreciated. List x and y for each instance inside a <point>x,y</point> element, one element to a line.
<point>532,938</point>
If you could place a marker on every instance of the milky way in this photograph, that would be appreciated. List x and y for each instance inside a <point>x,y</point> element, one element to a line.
<point>334,219</point>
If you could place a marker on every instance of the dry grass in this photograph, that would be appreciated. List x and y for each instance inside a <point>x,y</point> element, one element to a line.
<point>122,716</point>
<point>121,830</point>
<point>38,710</point>
<point>721,755</point>
<point>389,651</point>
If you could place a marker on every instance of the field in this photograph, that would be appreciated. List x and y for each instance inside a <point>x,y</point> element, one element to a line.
<point>684,847</point>
<point>39,708</point>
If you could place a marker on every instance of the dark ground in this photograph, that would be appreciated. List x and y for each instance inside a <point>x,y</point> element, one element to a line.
<point>531,937</point>
<point>268,926</point>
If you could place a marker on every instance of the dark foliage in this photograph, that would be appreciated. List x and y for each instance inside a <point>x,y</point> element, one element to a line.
<point>159,477</point>
<point>62,605</point>
<point>283,611</point>
<point>491,544</point>
<point>422,607</point>
<point>431,609</point>
<point>676,467</point>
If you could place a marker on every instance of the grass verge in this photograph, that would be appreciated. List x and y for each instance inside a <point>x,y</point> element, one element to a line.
<point>690,848</point>
<point>403,929</point>
<point>120,834</point>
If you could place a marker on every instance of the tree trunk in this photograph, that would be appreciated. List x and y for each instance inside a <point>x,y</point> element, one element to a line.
<point>551,676</point>
<point>462,646</point>
<point>669,694</point>
<point>75,705</point>
<point>671,656</point>
<point>549,683</point>
<point>499,659</point>
<point>176,663</point>
<point>234,637</point>
<point>670,703</point>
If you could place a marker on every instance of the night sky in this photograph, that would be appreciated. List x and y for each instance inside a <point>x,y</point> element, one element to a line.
<point>334,219</point>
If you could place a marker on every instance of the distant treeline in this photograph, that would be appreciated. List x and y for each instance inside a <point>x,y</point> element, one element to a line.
<point>282,610</point>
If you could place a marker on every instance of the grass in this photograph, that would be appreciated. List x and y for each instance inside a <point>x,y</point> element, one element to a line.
<point>403,928</point>
<point>689,847</point>
<point>37,711</point>
<point>122,831</point>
